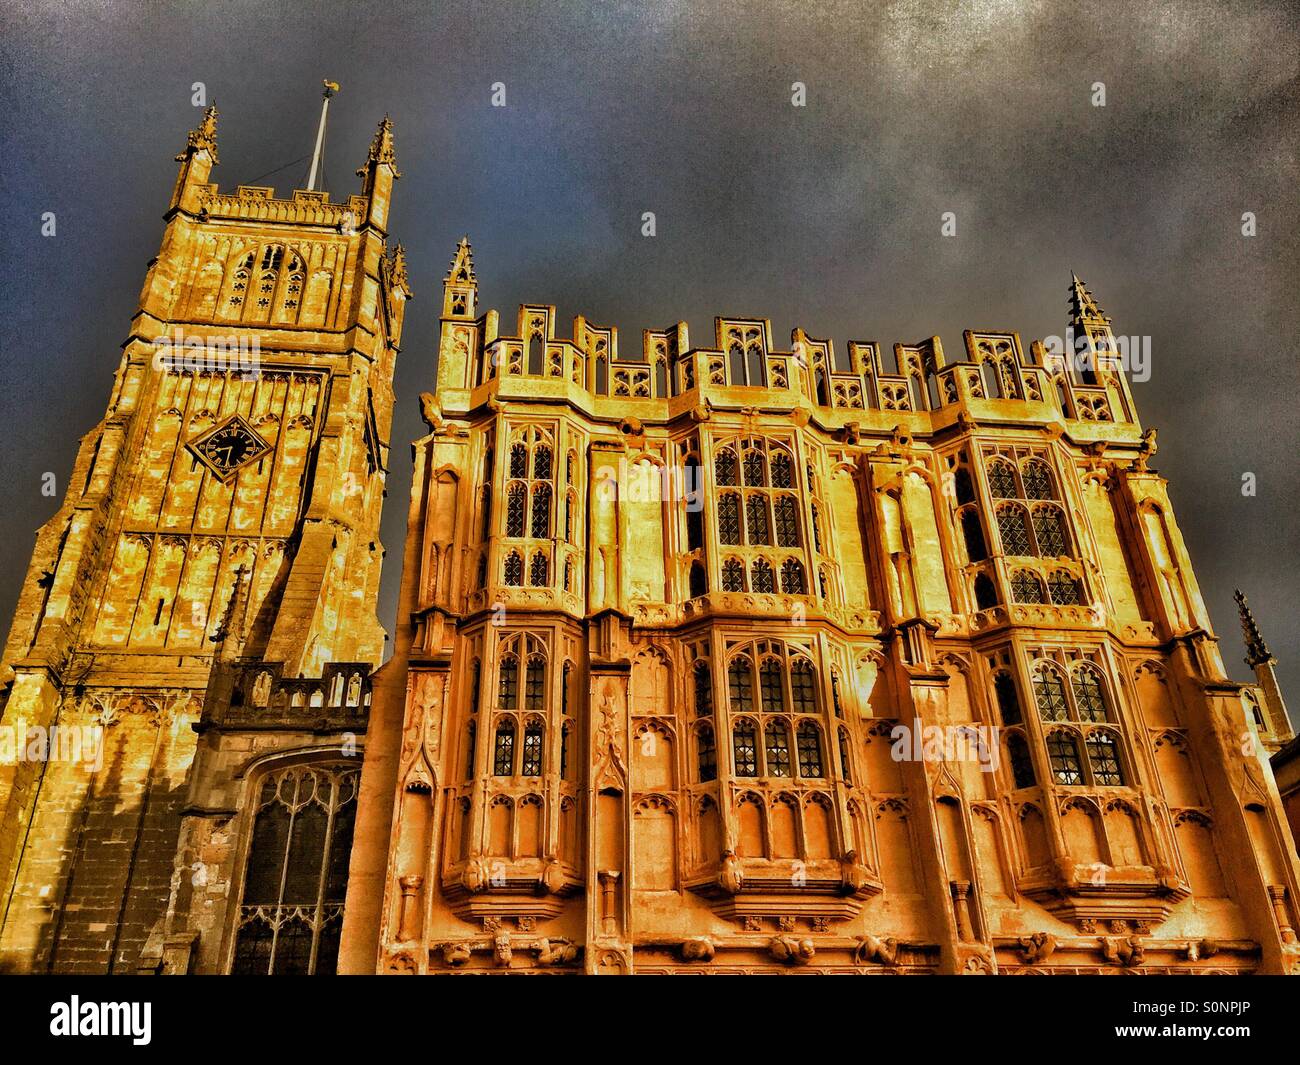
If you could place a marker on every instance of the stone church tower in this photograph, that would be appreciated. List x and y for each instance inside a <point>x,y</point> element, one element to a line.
<point>203,601</point>
<point>739,659</point>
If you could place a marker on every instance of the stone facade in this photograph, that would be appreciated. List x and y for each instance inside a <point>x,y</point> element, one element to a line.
<point>217,552</point>
<point>721,659</point>
<point>667,625</point>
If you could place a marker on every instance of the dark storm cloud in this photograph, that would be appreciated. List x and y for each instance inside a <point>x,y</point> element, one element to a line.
<point>825,217</point>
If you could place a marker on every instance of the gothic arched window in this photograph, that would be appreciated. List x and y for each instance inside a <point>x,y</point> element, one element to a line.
<point>1002,479</point>
<point>508,683</point>
<point>808,743</point>
<point>776,748</point>
<point>1049,531</point>
<point>706,753</point>
<point>503,751</point>
<point>1022,766</point>
<point>782,470</point>
<point>291,910</point>
<point>531,763</point>
<point>703,690</point>
<point>1089,695</point>
<point>761,577</point>
<point>541,511</point>
<point>1064,589</point>
<point>1036,476</point>
<point>539,571</point>
<point>787,522</point>
<point>515,497</point>
<point>740,686</point>
<point>1103,758</point>
<point>729,518</point>
<point>1063,756</point>
<point>698,583</point>
<point>1004,687</point>
<point>514,570</point>
<point>1027,588</point>
<point>535,683</point>
<point>1049,694</point>
<point>733,575</point>
<point>792,578</point>
<point>803,688</point>
<point>972,532</point>
<point>756,521</point>
<point>725,465</point>
<point>1013,529</point>
<point>744,748</point>
<point>986,595</point>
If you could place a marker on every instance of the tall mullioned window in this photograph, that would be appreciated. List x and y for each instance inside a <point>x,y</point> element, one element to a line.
<point>1083,741</point>
<point>772,694</point>
<point>759,511</point>
<point>291,910</point>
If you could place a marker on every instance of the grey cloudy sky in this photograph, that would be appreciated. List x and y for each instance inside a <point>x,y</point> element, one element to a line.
<point>826,216</point>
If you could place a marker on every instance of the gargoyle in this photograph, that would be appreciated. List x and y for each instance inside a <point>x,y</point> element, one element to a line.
<point>881,951</point>
<point>1037,948</point>
<point>790,950</point>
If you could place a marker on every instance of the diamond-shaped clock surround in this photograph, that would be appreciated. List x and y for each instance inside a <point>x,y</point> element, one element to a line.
<point>240,442</point>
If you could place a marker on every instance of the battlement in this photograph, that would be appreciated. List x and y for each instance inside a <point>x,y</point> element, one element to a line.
<point>258,203</point>
<point>743,368</point>
<point>261,697</point>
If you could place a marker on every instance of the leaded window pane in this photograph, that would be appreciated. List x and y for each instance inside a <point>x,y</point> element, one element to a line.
<point>787,522</point>
<point>503,753</point>
<point>532,756</point>
<point>1004,687</point>
<point>703,691</point>
<point>725,466</point>
<point>753,464</point>
<point>756,520</point>
<point>508,683</point>
<point>776,746</point>
<point>1064,589</point>
<point>541,463</point>
<point>1027,588</point>
<point>1037,479</point>
<point>1049,694</point>
<point>809,746</point>
<point>515,510</point>
<point>762,578</point>
<point>771,695</point>
<point>1049,530</point>
<point>514,570</point>
<point>782,471</point>
<point>707,754</point>
<point>1103,757</point>
<point>539,571</point>
<point>1002,480</point>
<point>1089,696</point>
<point>740,686</point>
<point>1063,754</point>
<point>1022,766</point>
<point>733,576</point>
<point>542,511</point>
<point>518,461</point>
<point>535,684</point>
<point>802,687</point>
<point>729,518</point>
<point>792,582</point>
<point>744,749</point>
<point>1012,529</point>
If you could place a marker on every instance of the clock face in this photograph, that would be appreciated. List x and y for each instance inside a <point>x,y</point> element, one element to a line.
<point>228,446</point>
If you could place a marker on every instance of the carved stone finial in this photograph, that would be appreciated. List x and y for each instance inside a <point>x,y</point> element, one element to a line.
<point>381,149</point>
<point>204,138</point>
<point>1257,651</point>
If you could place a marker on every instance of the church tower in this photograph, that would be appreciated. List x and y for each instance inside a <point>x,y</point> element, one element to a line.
<point>739,659</point>
<point>213,570</point>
